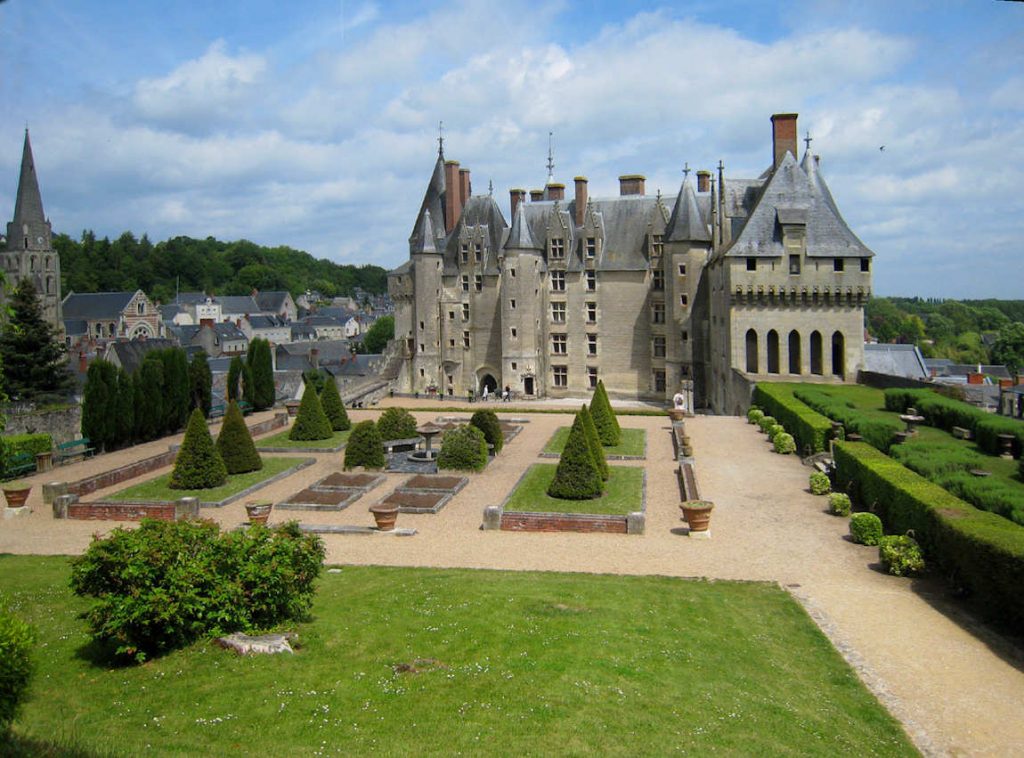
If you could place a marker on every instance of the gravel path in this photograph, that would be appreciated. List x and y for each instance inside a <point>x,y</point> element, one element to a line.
<point>958,689</point>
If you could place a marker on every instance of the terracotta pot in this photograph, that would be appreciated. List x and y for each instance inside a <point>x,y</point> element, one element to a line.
<point>258,513</point>
<point>697,514</point>
<point>16,496</point>
<point>385,516</point>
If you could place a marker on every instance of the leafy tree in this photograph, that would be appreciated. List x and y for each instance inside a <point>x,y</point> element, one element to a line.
<point>262,367</point>
<point>235,445</point>
<point>333,407</point>
<point>577,476</point>
<point>234,377</point>
<point>604,418</point>
<point>594,440</point>
<point>311,423</point>
<point>99,403</point>
<point>33,358</point>
<point>1009,347</point>
<point>149,398</point>
<point>379,334</point>
<point>365,447</point>
<point>198,465</point>
<point>200,380</point>
<point>883,319</point>
<point>396,424</point>
<point>16,666</point>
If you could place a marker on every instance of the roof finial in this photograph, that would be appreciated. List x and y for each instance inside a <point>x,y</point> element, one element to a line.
<point>490,187</point>
<point>686,171</point>
<point>551,159</point>
<point>440,138</point>
<point>807,141</point>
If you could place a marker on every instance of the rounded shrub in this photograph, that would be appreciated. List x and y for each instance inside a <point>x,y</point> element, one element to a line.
<point>865,528</point>
<point>334,409</point>
<point>820,484</point>
<point>754,415</point>
<point>784,443</point>
<point>365,447</point>
<point>16,665</point>
<point>235,445</point>
<point>463,448</point>
<point>198,465</point>
<point>766,422</point>
<point>839,504</point>
<point>901,555</point>
<point>396,424</point>
<point>311,423</point>
<point>487,422</point>
<point>774,430</point>
<point>577,476</point>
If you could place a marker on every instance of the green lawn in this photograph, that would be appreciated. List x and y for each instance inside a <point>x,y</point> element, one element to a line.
<point>157,489</point>
<point>633,442</point>
<point>622,493</point>
<point>281,440</point>
<point>509,664</point>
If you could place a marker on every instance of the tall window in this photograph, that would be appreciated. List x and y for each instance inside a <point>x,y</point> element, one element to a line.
<point>659,380</point>
<point>794,352</point>
<point>657,244</point>
<point>591,344</point>
<point>657,313</point>
<point>465,283</point>
<point>865,264</point>
<point>751,351</point>
<point>559,344</point>
<point>591,281</point>
<point>477,251</point>
<point>465,339</point>
<point>591,312</point>
<point>838,264</point>
<point>592,377</point>
<point>752,264</point>
<point>465,311</point>
<point>659,346</point>
<point>838,354</point>
<point>684,300</point>
<point>816,367</point>
<point>464,249</point>
<point>478,282</point>
<point>557,248</point>
<point>590,247</point>
<point>558,281</point>
<point>658,279</point>
<point>794,264</point>
<point>560,376</point>
<point>512,304</point>
<point>772,343</point>
<point>558,313</point>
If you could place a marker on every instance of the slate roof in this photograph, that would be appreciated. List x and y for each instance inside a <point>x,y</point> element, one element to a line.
<point>75,327</point>
<point>28,203</point>
<point>94,306</point>
<point>895,360</point>
<point>238,304</point>
<point>689,222</point>
<point>225,331</point>
<point>266,322</point>
<point>624,224</point>
<point>271,301</point>
<point>331,351</point>
<point>433,201</point>
<point>168,312</point>
<point>131,353</point>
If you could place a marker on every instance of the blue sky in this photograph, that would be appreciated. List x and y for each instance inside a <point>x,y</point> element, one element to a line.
<point>314,124</point>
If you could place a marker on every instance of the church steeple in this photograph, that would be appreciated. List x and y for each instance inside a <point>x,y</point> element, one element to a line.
<point>29,230</point>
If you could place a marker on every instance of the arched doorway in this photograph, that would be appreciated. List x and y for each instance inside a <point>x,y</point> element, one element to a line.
<point>838,355</point>
<point>488,383</point>
<point>751,351</point>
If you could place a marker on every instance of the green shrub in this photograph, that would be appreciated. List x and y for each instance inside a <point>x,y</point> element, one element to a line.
<point>463,449</point>
<point>365,447</point>
<point>168,583</point>
<point>487,422</point>
<point>16,665</point>
<point>774,430</point>
<point>839,504</point>
<point>13,444</point>
<point>198,465</point>
<point>604,417</point>
<point>577,476</point>
<point>766,423</point>
<point>596,449</point>
<point>330,400</point>
<point>396,424</point>
<point>311,423</point>
<point>820,484</point>
<point>876,431</point>
<point>809,428</point>
<point>235,445</point>
<point>784,443</point>
<point>900,555</point>
<point>754,415</point>
<point>865,528</point>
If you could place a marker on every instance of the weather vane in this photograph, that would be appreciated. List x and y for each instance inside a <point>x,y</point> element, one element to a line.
<point>551,159</point>
<point>686,170</point>
<point>440,137</point>
<point>807,141</point>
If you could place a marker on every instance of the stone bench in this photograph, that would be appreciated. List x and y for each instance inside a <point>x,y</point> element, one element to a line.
<point>962,434</point>
<point>401,446</point>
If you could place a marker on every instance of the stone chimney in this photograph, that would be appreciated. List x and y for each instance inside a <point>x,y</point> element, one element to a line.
<point>581,199</point>
<point>516,196</point>
<point>465,186</point>
<point>314,357</point>
<point>783,137</point>
<point>631,184</point>
<point>452,195</point>
<point>555,191</point>
<point>536,195</point>
<point>703,180</point>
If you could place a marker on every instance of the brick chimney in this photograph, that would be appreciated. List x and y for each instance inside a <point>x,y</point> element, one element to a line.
<point>536,195</point>
<point>516,196</point>
<point>783,137</point>
<point>465,186</point>
<point>581,198</point>
<point>206,322</point>
<point>631,184</point>
<point>703,180</point>
<point>555,191</point>
<point>452,195</point>
<point>83,363</point>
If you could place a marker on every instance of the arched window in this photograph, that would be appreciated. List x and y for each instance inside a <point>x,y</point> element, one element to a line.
<point>816,353</point>
<point>794,352</point>
<point>773,352</point>
<point>111,329</point>
<point>99,330</point>
<point>838,354</point>
<point>49,285</point>
<point>751,351</point>
<point>49,263</point>
<point>33,262</point>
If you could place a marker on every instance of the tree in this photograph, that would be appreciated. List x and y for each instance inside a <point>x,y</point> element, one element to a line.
<point>311,423</point>
<point>487,422</point>
<point>594,440</point>
<point>149,398</point>
<point>365,447</point>
<point>34,360</point>
<point>99,403</point>
<point>235,445</point>
<point>333,407</point>
<point>200,380</point>
<point>125,407</point>
<point>604,418</point>
<point>1009,347</point>
<point>577,476</point>
<point>234,376</point>
<point>262,366</point>
<point>198,465</point>
<point>176,388</point>
<point>248,384</point>
<point>396,424</point>
<point>378,336</point>
<point>463,448</point>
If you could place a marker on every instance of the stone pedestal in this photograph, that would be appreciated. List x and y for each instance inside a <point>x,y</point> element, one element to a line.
<point>10,513</point>
<point>636,523</point>
<point>53,490</point>
<point>186,508</point>
<point>44,461</point>
<point>492,517</point>
<point>61,503</point>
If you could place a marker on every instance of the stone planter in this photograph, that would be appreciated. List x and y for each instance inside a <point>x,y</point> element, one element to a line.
<point>16,496</point>
<point>258,513</point>
<point>44,461</point>
<point>385,515</point>
<point>697,514</point>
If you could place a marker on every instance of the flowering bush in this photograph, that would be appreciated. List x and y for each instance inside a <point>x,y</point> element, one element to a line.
<point>900,555</point>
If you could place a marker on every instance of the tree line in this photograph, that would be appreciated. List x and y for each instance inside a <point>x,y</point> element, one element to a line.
<point>203,265</point>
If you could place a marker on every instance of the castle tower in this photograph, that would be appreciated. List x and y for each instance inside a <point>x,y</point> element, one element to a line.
<point>29,252</point>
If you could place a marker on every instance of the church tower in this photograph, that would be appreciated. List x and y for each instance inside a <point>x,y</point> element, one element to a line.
<point>29,252</point>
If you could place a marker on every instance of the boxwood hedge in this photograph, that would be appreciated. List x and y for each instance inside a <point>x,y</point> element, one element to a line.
<point>809,428</point>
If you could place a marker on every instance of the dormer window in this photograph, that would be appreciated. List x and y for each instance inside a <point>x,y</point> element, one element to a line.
<point>838,264</point>
<point>794,265</point>
<point>657,244</point>
<point>465,283</point>
<point>558,248</point>
<point>477,251</point>
<point>558,281</point>
<point>658,279</point>
<point>142,309</point>
<point>590,247</point>
<point>465,252</point>
<point>865,264</point>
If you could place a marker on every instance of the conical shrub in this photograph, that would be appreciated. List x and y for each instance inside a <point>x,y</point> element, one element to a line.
<point>198,465</point>
<point>311,423</point>
<point>604,417</point>
<point>365,447</point>
<point>330,399</point>
<point>577,476</point>
<point>396,424</point>
<point>487,422</point>
<point>235,445</point>
<point>594,441</point>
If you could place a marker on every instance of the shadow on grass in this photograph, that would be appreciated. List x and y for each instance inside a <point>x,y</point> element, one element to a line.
<point>15,745</point>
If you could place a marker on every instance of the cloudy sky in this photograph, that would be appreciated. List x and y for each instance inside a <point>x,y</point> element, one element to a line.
<point>313,124</point>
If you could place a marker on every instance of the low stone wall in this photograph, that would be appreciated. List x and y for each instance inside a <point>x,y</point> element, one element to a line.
<point>561,522</point>
<point>68,507</point>
<point>63,424</point>
<point>121,474</point>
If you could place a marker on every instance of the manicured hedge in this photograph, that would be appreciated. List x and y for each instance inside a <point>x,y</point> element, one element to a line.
<point>978,551</point>
<point>809,428</point>
<point>876,431</point>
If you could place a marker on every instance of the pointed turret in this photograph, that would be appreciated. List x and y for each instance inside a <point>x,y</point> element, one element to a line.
<point>433,200</point>
<point>519,237</point>
<point>687,223</point>
<point>424,240</point>
<point>29,230</point>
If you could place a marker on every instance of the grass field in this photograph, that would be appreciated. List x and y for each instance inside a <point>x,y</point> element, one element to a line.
<point>445,662</point>
<point>633,442</point>
<point>623,493</point>
<point>158,489</point>
<point>281,440</point>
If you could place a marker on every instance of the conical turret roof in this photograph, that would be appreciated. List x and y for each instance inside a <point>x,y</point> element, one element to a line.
<point>424,240</point>
<point>519,237</point>
<point>686,223</point>
<point>29,218</point>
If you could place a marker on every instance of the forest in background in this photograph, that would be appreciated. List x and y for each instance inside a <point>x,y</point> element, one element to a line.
<point>203,265</point>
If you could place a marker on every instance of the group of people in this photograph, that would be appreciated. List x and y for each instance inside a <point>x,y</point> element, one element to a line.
<point>506,395</point>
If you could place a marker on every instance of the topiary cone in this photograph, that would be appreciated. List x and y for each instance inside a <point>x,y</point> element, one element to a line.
<point>235,445</point>
<point>595,442</point>
<point>330,399</point>
<point>604,418</point>
<point>311,423</point>
<point>577,476</point>
<point>198,465</point>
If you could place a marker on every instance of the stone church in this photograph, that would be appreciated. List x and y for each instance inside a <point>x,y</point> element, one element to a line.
<point>29,252</point>
<point>732,281</point>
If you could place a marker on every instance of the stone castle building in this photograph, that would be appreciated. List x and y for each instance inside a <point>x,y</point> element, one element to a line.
<point>732,281</point>
<point>29,250</point>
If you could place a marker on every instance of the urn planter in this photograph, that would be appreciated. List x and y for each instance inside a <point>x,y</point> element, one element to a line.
<point>16,495</point>
<point>676,414</point>
<point>385,515</point>
<point>258,513</point>
<point>697,514</point>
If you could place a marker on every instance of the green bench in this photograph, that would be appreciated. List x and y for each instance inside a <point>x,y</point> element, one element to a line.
<point>20,463</point>
<point>67,451</point>
<point>216,411</point>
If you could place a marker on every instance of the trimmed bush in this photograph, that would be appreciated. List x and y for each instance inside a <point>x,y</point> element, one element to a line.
<point>809,428</point>
<point>330,400</point>
<point>168,583</point>
<point>198,465</point>
<point>774,430</point>
<point>396,424</point>
<point>596,449</point>
<point>365,447</point>
<point>784,443</point>
<point>12,444</point>
<point>865,528</point>
<point>878,432</point>
<point>463,448</point>
<point>16,665</point>
<point>765,423</point>
<point>487,422</point>
<point>577,476</point>
<point>900,555</point>
<point>235,445</point>
<point>839,504</point>
<point>311,423</point>
<point>259,358</point>
<point>754,415</point>
<point>604,417</point>
<point>819,483</point>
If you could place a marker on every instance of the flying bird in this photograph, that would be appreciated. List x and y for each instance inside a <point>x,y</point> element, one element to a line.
<point>882,148</point>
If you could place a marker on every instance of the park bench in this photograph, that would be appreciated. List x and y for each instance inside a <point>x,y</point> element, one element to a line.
<point>67,451</point>
<point>20,463</point>
<point>400,446</point>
